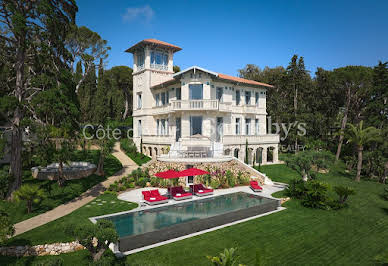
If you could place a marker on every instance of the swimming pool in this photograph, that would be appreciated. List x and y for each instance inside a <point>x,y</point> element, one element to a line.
<point>141,228</point>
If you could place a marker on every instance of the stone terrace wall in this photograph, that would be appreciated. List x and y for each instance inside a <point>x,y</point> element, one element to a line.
<point>234,166</point>
<point>41,250</point>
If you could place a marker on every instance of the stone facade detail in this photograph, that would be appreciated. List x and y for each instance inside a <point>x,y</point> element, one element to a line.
<point>41,250</point>
<point>234,166</point>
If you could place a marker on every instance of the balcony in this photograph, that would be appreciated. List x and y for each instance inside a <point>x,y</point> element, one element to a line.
<point>252,139</point>
<point>158,139</point>
<point>202,105</point>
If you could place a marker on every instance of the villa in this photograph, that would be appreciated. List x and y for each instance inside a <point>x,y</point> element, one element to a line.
<point>196,115</point>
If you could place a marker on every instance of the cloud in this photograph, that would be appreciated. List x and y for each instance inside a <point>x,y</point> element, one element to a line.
<point>144,13</point>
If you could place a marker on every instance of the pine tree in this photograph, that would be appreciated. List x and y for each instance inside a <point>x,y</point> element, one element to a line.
<point>87,96</point>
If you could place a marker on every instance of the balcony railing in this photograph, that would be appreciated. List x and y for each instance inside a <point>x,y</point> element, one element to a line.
<point>199,105</point>
<point>252,139</point>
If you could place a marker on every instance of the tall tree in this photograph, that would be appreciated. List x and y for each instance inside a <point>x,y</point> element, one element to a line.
<point>353,81</point>
<point>88,47</point>
<point>122,80</point>
<point>34,34</point>
<point>87,96</point>
<point>361,136</point>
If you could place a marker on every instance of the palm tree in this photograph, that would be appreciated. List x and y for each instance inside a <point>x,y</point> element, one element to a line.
<point>30,193</point>
<point>361,136</point>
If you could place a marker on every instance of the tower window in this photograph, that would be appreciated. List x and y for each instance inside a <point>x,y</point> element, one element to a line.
<point>139,101</point>
<point>159,60</point>
<point>140,60</point>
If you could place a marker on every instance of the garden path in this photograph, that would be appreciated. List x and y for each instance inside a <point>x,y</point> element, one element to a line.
<point>86,197</point>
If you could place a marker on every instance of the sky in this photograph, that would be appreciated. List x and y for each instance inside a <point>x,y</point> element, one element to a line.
<point>224,36</point>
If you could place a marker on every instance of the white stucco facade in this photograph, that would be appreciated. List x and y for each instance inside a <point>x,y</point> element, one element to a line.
<point>196,108</point>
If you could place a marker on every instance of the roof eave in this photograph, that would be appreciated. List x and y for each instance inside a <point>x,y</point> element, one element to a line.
<point>195,68</point>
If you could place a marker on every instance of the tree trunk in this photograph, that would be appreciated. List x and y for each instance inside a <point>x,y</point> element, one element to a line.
<point>97,256</point>
<point>100,167</point>
<point>15,169</point>
<point>29,206</point>
<point>126,102</point>
<point>16,152</point>
<point>343,125</point>
<point>359,163</point>
<point>60,174</point>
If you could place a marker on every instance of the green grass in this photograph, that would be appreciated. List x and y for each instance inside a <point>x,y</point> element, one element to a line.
<point>56,195</point>
<point>295,236</point>
<point>128,147</point>
<point>53,232</point>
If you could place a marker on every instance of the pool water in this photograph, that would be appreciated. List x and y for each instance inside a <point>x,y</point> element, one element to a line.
<point>140,222</point>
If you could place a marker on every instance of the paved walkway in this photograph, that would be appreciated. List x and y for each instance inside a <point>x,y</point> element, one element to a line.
<point>86,197</point>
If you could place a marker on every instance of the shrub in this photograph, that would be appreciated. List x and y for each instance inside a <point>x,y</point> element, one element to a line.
<point>141,182</point>
<point>315,195</point>
<point>103,232</point>
<point>31,194</point>
<point>110,192</point>
<point>230,178</point>
<point>5,180</point>
<point>226,258</point>
<point>296,189</point>
<point>343,193</point>
<point>155,181</point>
<point>214,183</point>
<point>6,227</point>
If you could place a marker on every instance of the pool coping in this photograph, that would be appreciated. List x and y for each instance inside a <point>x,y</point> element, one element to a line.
<point>174,202</point>
<point>118,253</point>
<point>115,247</point>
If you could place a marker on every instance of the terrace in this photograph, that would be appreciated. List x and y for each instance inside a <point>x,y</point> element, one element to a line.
<point>147,238</point>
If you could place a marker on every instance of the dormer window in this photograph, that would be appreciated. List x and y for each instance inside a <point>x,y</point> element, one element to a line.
<point>159,60</point>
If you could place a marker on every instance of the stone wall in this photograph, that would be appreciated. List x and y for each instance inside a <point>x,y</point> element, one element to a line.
<point>234,166</point>
<point>76,170</point>
<point>41,250</point>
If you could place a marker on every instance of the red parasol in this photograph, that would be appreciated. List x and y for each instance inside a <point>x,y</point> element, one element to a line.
<point>193,172</point>
<point>169,174</point>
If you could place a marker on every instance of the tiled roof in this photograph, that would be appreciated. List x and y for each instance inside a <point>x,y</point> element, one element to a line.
<point>241,80</point>
<point>215,74</point>
<point>155,42</point>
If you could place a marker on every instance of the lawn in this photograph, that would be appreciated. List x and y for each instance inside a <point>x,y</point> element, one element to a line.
<point>54,231</point>
<point>56,195</point>
<point>130,150</point>
<point>295,236</point>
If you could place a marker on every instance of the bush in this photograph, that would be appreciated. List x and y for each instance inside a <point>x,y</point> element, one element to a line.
<point>103,232</point>
<point>296,189</point>
<point>230,178</point>
<point>110,192</point>
<point>315,195</point>
<point>32,194</point>
<point>5,180</point>
<point>6,227</point>
<point>154,181</point>
<point>226,258</point>
<point>343,193</point>
<point>130,149</point>
<point>214,183</point>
